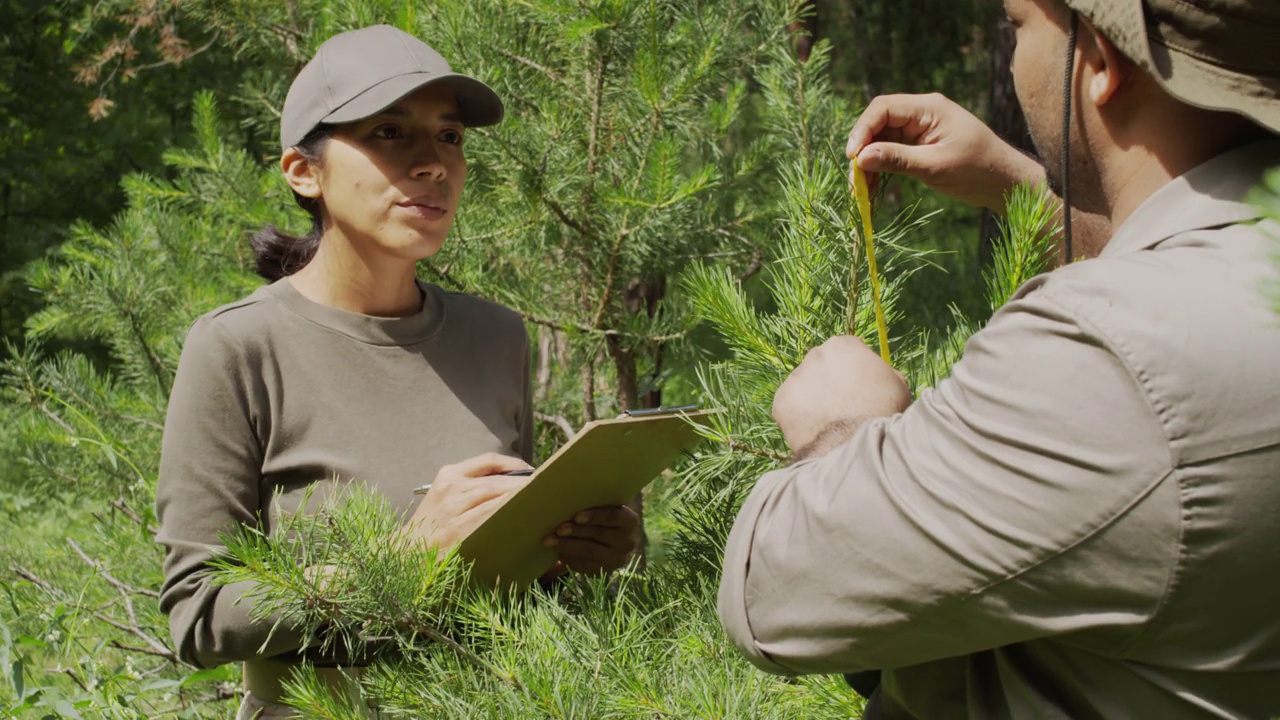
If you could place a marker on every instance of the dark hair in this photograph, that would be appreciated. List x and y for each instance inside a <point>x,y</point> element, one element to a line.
<point>280,254</point>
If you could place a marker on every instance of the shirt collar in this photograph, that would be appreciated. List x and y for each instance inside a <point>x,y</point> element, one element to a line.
<point>1211,195</point>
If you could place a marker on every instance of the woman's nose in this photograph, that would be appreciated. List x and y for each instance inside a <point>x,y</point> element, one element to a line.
<point>426,164</point>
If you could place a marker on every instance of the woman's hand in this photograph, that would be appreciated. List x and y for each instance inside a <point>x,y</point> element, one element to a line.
<point>462,497</point>
<point>595,540</point>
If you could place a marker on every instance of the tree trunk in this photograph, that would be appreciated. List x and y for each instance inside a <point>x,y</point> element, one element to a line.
<point>589,390</point>
<point>4,248</point>
<point>805,29</point>
<point>624,363</point>
<point>640,297</point>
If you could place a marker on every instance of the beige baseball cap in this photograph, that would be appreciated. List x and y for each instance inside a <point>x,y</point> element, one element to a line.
<point>1216,54</point>
<point>361,72</point>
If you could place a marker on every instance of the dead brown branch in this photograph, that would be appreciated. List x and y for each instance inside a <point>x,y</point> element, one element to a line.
<point>559,421</point>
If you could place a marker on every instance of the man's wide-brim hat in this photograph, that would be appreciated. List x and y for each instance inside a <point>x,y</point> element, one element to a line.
<point>1216,54</point>
<point>362,72</point>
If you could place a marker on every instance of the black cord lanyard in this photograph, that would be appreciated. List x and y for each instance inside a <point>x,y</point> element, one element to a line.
<point>1067,97</point>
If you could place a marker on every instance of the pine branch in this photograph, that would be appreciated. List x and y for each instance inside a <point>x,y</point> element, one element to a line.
<point>72,674</point>
<point>563,216</point>
<point>128,512</point>
<point>753,450</point>
<point>124,588</point>
<point>597,99</point>
<point>157,648</point>
<point>579,327</point>
<point>548,72</point>
<point>170,63</point>
<point>140,650</point>
<point>559,421</point>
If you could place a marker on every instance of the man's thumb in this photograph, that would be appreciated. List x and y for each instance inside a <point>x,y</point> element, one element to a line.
<point>885,157</point>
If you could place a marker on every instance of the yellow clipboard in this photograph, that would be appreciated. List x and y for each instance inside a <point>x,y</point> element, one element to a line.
<point>606,463</point>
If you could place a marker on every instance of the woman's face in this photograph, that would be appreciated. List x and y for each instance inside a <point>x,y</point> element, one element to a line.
<point>390,183</point>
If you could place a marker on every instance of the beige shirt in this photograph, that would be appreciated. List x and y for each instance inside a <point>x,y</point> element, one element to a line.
<point>1083,521</point>
<point>276,396</point>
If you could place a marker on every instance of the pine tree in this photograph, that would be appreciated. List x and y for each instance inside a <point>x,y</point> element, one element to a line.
<point>625,154</point>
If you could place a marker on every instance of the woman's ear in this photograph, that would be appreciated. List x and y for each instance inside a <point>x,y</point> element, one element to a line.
<point>300,173</point>
<point>1109,69</point>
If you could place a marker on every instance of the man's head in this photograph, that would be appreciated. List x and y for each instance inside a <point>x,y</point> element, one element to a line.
<point>1171,78</point>
<point>1212,54</point>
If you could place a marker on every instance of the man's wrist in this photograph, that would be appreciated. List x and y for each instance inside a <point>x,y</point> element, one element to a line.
<point>1023,168</point>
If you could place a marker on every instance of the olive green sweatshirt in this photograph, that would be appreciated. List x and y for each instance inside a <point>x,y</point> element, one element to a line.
<point>276,395</point>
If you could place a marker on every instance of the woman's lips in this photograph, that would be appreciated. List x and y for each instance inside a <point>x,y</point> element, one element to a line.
<point>424,211</point>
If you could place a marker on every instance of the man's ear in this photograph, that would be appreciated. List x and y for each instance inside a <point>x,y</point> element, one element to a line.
<point>1109,69</point>
<point>300,173</point>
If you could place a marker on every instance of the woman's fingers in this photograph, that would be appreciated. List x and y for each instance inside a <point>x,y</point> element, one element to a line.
<point>598,539</point>
<point>611,516</point>
<point>481,465</point>
<point>589,556</point>
<point>463,496</point>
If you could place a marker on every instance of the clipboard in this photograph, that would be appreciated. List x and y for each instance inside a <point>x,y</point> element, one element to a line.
<point>606,463</point>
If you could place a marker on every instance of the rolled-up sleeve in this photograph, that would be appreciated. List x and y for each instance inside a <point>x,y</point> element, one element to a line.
<point>972,520</point>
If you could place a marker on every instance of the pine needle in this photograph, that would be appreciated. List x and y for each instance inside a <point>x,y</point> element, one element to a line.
<point>862,202</point>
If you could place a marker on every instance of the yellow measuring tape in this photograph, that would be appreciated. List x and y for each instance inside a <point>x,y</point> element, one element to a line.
<point>862,199</point>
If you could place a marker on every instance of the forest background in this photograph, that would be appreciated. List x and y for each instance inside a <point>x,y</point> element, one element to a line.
<point>666,205</point>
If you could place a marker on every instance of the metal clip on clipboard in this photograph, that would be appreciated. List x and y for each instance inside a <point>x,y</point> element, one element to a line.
<point>661,410</point>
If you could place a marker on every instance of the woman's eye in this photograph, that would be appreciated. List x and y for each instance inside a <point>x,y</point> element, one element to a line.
<point>388,132</point>
<point>451,137</point>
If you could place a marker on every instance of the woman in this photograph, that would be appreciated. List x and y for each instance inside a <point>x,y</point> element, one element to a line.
<point>346,367</point>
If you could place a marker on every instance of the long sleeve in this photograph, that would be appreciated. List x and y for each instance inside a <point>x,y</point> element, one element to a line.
<point>525,421</point>
<point>210,484</point>
<point>1023,497</point>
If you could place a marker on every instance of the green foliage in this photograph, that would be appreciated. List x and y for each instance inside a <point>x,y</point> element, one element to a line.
<point>1025,248</point>
<point>59,163</point>
<point>90,437</point>
<point>134,288</point>
<point>374,583</point>
<point>1267,198</point>
<point>890,47</point>
<point>634,646</point>
<point>75,644</point>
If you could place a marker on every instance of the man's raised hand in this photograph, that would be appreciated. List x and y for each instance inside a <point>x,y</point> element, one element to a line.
<point>933,139</point>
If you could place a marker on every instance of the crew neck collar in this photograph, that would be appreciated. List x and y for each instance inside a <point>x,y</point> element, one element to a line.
<point>368,329</point>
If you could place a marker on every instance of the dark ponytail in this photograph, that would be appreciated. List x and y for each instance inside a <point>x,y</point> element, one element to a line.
<point>280,254</point>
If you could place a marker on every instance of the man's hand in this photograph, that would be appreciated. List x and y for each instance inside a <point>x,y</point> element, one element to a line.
<point>463,496</point>
<point>840,384</point>
<point>596,540</point>
<point>931,138</point>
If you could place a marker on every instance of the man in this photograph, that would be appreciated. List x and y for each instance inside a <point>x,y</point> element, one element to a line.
<point>1084,521</point>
